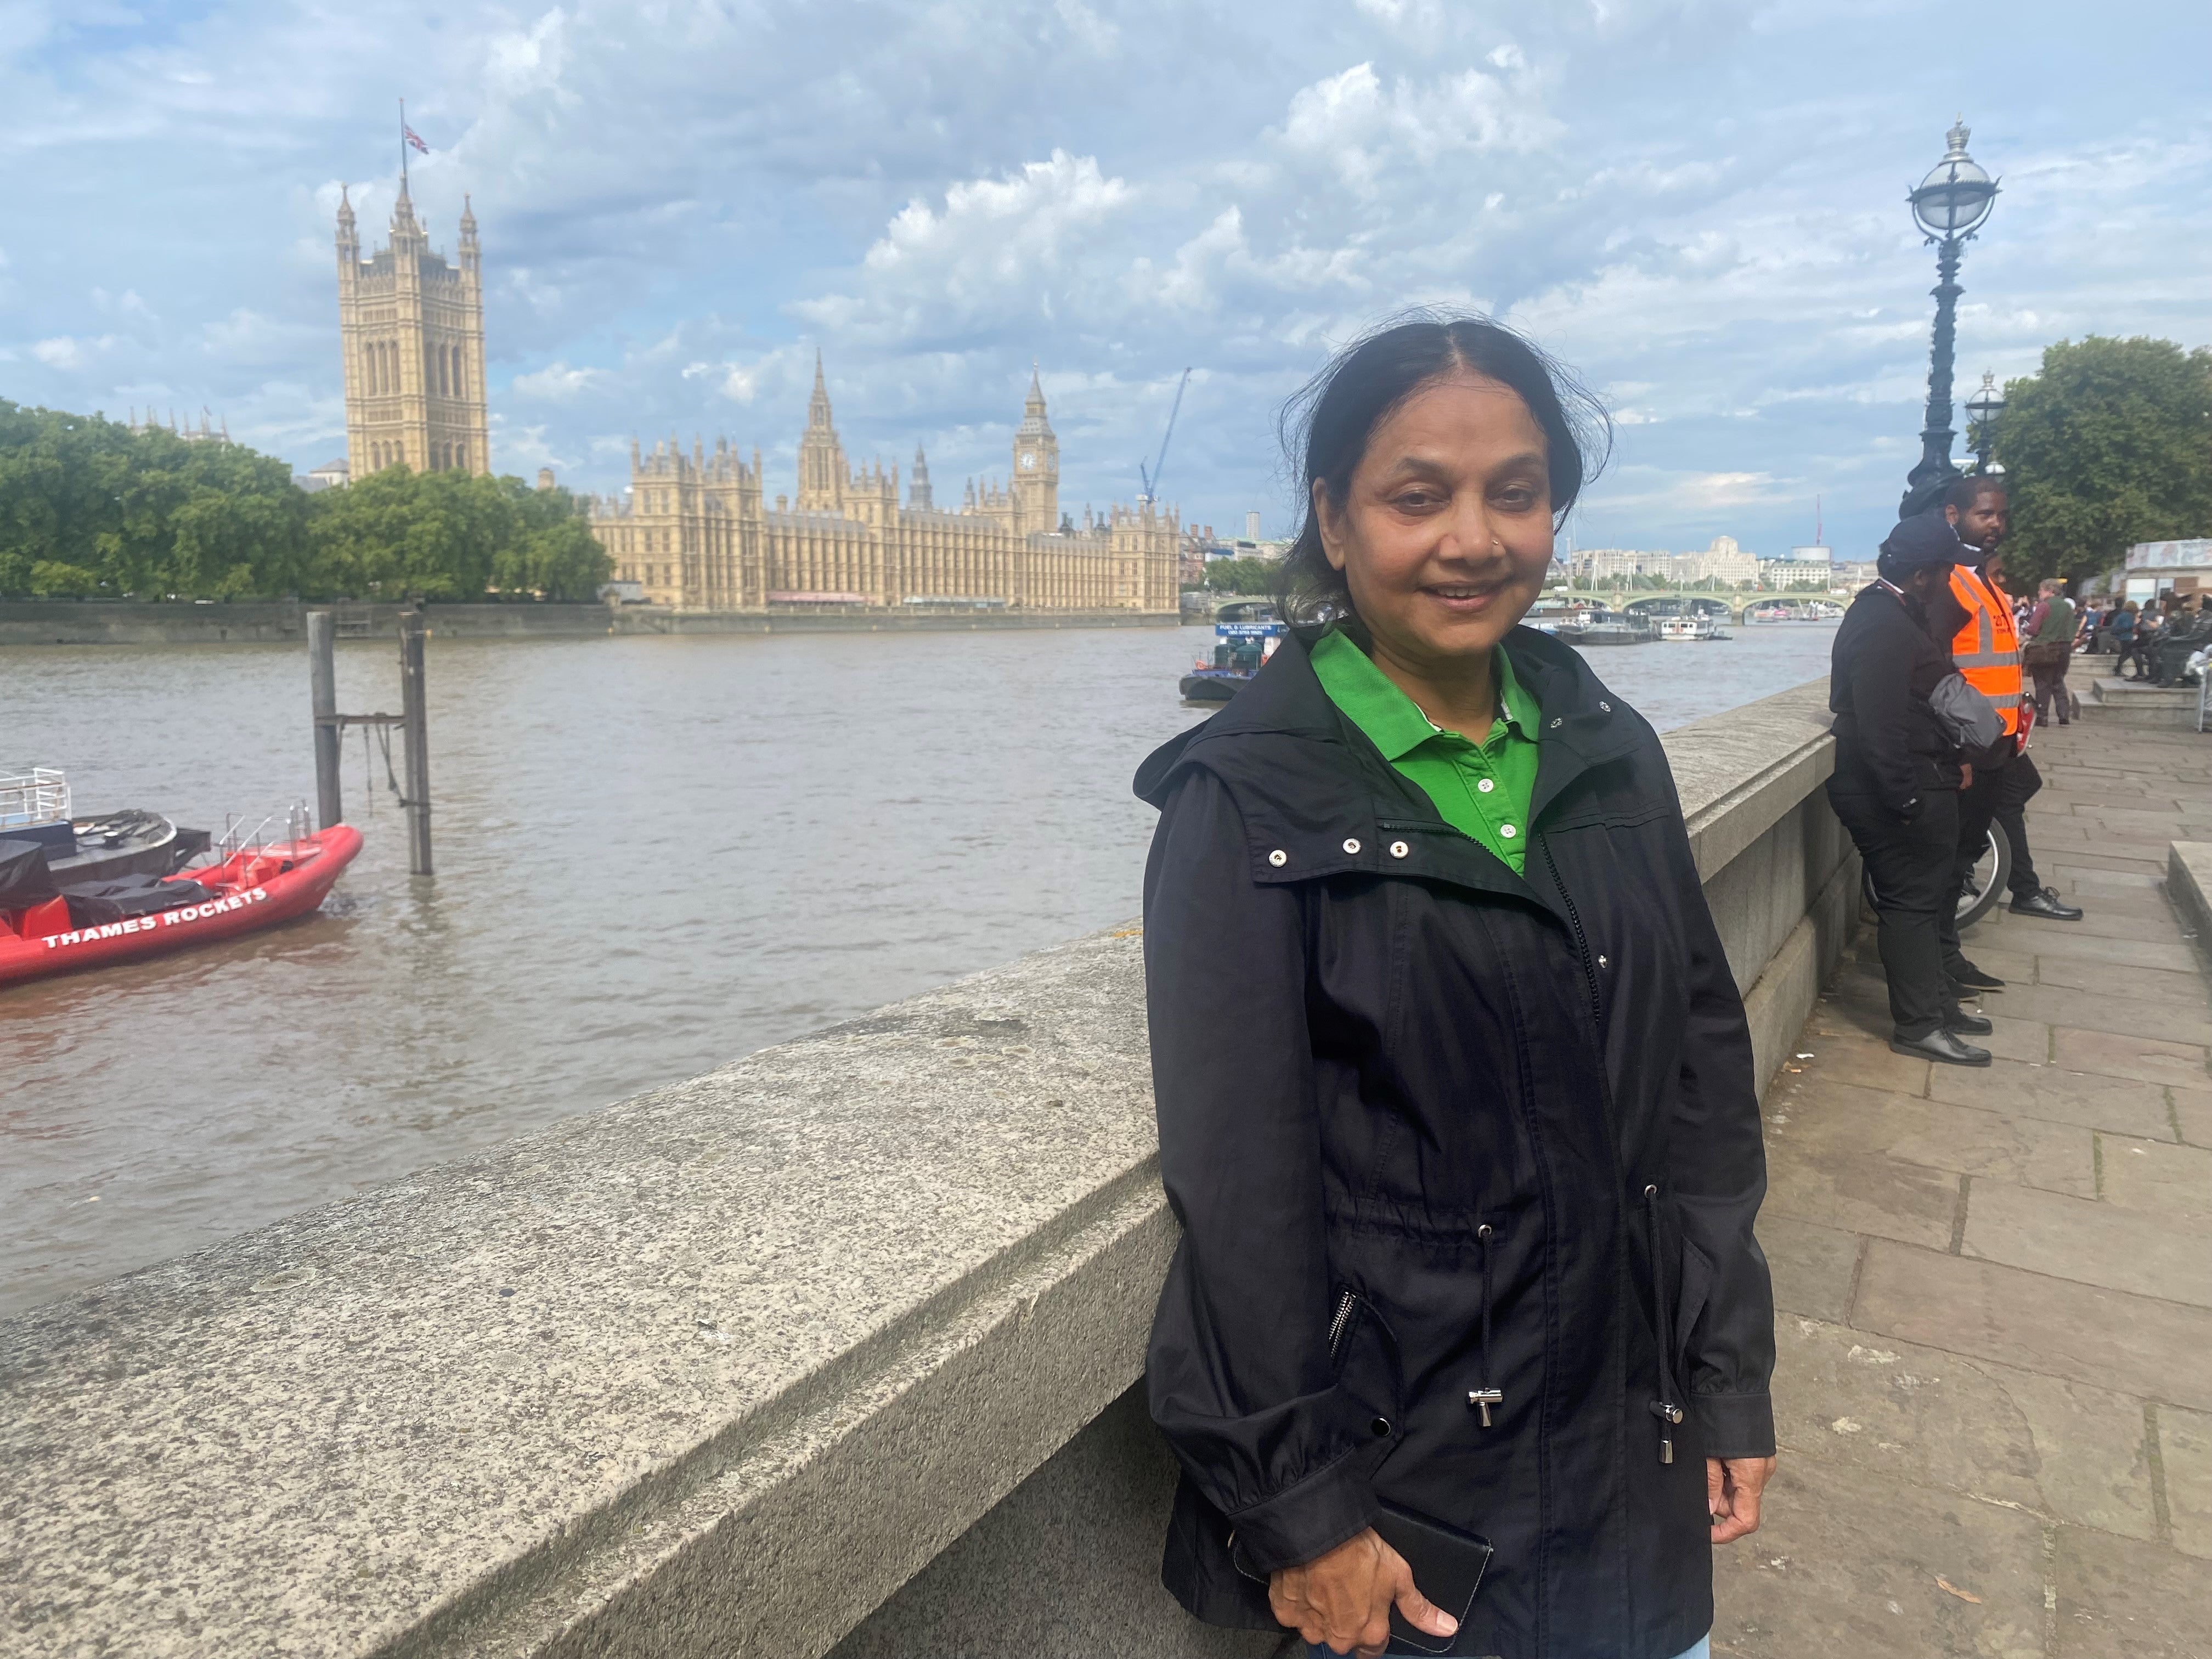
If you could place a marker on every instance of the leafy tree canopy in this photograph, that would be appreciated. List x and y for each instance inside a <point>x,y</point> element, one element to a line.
<point>1241,576</point>
<point>90,510</point>
<point>2110,445</point>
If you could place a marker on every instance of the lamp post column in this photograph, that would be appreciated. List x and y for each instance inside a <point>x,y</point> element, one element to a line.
<point>1934,468</point>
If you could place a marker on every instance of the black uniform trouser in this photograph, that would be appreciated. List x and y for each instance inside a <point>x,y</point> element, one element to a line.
<point>1977,805</point>
<point>2016,782</point>
<point>1913,865</point>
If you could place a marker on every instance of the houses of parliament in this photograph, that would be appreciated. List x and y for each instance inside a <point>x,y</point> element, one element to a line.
<point>695,532</point>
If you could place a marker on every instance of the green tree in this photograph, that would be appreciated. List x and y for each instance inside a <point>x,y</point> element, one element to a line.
<point>89,507</point>
<point>451,536</point>
<point>1241,576</point>
<point>2110,445</point>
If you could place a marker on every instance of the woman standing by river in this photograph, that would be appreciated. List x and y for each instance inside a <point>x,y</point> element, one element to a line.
<point>1454,1083</point>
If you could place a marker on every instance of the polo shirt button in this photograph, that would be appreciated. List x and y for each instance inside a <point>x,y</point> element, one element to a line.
<point>1506,830</point>
<point>1399,849</point>
<point>1487,785</point>
<point>1279,857</point>
<point>1351,844</point>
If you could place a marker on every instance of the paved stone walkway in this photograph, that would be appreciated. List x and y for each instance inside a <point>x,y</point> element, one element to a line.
<point>1994,1388</point>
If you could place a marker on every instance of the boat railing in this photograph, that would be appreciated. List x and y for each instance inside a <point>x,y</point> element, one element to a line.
<point>40,795</point>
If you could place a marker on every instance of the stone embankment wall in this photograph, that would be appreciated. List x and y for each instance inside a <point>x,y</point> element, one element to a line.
<point>831,1350</point>
<point>124,622</point>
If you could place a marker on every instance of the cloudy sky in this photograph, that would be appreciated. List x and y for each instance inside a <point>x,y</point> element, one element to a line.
<point>1698,204</point>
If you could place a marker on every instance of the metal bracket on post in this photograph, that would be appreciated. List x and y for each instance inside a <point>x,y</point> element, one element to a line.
<point>329,727</point>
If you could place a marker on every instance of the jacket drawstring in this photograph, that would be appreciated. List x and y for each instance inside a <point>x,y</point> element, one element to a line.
<point>1664,1407</point>
<point>1487,1395</point>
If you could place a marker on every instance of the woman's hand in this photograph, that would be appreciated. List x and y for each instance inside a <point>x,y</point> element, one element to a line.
<point>1342,1601</point>
<point>1732,1488</point>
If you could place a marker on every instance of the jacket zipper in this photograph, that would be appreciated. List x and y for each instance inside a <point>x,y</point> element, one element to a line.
<point>1582,942</point>
<point>1344,1304</point>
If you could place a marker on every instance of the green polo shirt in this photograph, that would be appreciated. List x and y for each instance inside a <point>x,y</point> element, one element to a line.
<point>1481,789</point>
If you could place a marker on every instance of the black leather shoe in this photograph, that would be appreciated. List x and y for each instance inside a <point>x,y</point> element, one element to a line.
<point>1973,978</point>
<point>1943,1046</point>
<point>2048,905</point>
<point>1968,1026</point>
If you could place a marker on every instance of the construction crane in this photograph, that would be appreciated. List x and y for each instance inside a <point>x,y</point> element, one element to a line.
<point>1151,480</point>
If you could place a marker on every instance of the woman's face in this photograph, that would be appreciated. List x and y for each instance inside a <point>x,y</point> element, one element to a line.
<point>1445,533</point>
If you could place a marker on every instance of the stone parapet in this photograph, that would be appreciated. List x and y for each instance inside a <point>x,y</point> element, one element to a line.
<point>832,1348</point>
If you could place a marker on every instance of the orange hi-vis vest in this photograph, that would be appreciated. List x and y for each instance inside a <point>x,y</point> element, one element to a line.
<point>1986,648</point>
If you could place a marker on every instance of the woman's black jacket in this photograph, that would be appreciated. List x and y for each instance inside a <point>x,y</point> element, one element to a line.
<point>1883,666</point>
<point>1433,1130</point>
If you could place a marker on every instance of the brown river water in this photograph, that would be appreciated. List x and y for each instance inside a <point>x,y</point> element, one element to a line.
<point>653,855</point>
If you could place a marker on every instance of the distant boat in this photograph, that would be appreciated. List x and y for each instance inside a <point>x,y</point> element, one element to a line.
<point>1607,633</point>
<point>1694,630</point>
<point>1244,636</point>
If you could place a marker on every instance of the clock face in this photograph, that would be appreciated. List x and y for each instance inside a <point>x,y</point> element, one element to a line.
<point>1029,461</point>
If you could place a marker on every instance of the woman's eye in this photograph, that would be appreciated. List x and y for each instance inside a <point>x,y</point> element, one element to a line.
<point>1519,498</point>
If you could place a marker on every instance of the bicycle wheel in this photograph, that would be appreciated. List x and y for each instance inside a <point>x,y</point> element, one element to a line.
<point>1992,875</point>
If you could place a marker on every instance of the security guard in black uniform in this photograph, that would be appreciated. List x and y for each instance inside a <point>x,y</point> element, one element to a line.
<point>1897,781</point>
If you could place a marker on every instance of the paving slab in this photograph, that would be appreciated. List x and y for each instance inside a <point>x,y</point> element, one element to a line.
<point>2062,1450</point>
<point>2167,951</point>
<point>2192,1111</point>
<point>1814,1267</point>
<point>2090,1243</point>
<point>1862,1191</point>
<point>2152,1060</point>
<point>2074,876</point>
<point>2155,1178</point>
<point>1812,1115</point>
<point>2112,1010</point>
<point>2185,992</point>
<point>2185,1443</point>
<point>1853,1047</point>
<point>2117,1598</point>
<point>2109,1339</point>
<point>2102,922</point>
<point>1849,1563</point>
<point>2125,1105</point>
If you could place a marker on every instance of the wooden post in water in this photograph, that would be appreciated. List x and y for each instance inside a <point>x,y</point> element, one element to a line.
<point>323,689</point>
<point>415,732</point>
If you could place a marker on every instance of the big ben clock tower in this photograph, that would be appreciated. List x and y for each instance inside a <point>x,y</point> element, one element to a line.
<point>1036,467</point>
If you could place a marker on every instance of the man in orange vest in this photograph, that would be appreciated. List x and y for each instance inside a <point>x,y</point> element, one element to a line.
<point>1974,622</point>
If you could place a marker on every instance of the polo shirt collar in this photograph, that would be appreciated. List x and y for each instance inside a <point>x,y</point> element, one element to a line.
<point>1393,722</point>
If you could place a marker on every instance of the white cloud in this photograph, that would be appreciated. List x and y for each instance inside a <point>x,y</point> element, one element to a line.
<point>1091,30</point>
<point>557,383</point>
<point>65,352</point>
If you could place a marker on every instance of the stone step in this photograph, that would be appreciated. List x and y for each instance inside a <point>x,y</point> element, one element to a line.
<point>2111,701</point>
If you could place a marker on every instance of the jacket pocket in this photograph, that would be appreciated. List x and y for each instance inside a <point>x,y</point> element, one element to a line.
<point>1363,1352</point>
<point>1697,1290</point>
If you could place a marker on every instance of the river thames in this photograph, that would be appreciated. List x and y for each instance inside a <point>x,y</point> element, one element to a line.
<point>653,855</point>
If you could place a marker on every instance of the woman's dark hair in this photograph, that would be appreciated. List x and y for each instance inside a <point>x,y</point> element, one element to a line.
<point>1326,427</point>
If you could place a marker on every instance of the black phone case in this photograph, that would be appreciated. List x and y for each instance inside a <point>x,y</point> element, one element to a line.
<point>1448,1566</point>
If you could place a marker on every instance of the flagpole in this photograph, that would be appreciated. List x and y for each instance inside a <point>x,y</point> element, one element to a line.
<point>403,146</point>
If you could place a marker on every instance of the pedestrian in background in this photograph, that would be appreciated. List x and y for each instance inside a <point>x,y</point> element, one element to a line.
<point>2049,649</point>
<point>1897,781</point>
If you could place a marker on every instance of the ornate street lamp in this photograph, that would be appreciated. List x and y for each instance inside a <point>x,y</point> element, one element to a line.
<point>1951,203</point>
<point>1982,421</point>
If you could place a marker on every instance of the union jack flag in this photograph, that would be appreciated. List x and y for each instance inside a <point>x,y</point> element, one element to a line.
<point>414,138</point>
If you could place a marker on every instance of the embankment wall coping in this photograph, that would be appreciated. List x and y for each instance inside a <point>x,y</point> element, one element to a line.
<point>714,1371</point>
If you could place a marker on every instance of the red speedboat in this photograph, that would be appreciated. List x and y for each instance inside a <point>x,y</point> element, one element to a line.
<point>54,930</point>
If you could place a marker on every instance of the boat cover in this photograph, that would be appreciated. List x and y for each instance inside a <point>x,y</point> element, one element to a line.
<point>24,878</point>
<point>93,902</point>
